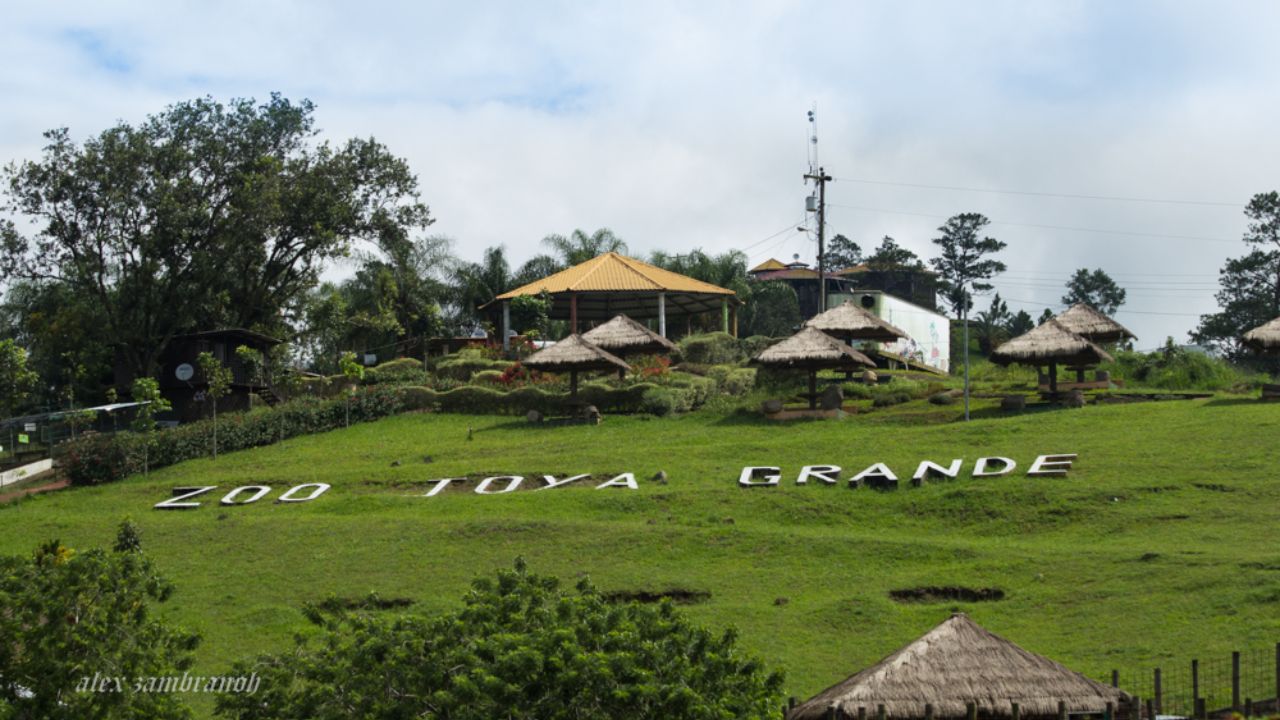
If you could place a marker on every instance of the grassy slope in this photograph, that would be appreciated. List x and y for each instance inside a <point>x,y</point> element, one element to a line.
<point>1066,551</point>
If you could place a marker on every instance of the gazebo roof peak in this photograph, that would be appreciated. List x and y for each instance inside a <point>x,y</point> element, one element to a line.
<point>613,272</point>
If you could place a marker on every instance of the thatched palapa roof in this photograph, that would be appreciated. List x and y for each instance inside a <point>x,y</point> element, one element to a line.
<point>1049,343</point>
<point>850,320</point>
<point>623,336</point>
<point>811,348</point>
<point>1090,324</point>
<point>574,354</point>
<point>1264,338</point>
<point>956,663</point>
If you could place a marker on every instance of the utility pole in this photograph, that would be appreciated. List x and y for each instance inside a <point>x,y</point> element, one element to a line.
<point>822,178</point>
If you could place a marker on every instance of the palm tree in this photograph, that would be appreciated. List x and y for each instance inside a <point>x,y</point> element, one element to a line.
<point>478,283</point>
<point>580,247</point>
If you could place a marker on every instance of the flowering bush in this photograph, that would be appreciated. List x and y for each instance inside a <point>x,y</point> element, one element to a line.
<point>650,366</point>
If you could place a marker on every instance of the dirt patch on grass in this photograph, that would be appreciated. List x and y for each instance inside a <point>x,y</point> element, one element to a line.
<point>679,596</point>
<point>946,593</point>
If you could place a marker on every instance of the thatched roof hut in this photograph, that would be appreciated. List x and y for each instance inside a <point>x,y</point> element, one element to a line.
<point>1264,338</point>
<point>852,322</point>
<point>811,350</point>
<point>623,336</point>
<point>1092,325</point>
<point>1050,344</point>
<point>957,663</point>
<point>574,355</point>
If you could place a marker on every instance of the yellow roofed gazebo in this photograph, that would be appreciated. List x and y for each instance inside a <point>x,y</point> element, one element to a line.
<point>609,284</point>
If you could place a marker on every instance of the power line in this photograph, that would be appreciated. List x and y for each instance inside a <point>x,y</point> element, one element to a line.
<point>1073,196</point>
<point>789,226</point>
<point>1161,236</point>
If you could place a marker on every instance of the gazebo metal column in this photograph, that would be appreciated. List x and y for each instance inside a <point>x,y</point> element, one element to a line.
<point>506,326</point>
<point>662,314</point>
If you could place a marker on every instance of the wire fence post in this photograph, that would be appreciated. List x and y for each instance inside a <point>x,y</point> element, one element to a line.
<point>1195,682</point>
<point>1235,681</point>
<point>1115,678</point>
<point>1158,692</point>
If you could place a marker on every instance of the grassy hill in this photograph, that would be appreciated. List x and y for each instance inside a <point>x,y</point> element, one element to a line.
<point>1160,545</point>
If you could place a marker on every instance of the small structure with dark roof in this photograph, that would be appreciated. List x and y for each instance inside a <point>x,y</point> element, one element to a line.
<point>959,663</point>
<point>1050,344</point>
<point>811,350</point>
<point>182,383</point>
<point>574,355</point>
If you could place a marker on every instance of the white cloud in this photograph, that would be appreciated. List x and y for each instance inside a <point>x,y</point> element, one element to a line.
<point>682,125</point>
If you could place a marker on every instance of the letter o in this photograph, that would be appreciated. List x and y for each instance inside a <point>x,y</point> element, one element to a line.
<point>230,498</point>
<point>320,489</point>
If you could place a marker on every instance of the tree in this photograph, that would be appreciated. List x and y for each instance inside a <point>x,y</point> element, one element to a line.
<point>841,253</point>
<point>1020,323</point>
<point>580,247</point>
<point>147,391</point>
<point>16,379</point>
<point>962,270</point>
<point>992,325</point>
<point>1095,289</point>
<point>1045,316</point>
<point>68,615</point>
<point>478,283</point>
<point>61,331</point>
<point>202,215</point>
<point>773,309</point>
<point>218,379</point>
<point>521,648</point>
<point>354,372</point>
<point>1250,294</point>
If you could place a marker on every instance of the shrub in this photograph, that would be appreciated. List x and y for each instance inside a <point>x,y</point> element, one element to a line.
<point>711,349</point>
<point>488,377</point>
<point>942,398</point>
<point>1172,368</point>
<point>889,398</point>
<point>739,382</point>
<point>752,346</point>
<point>419,398</point>
<point>400,370</point>
<point>658,401</point>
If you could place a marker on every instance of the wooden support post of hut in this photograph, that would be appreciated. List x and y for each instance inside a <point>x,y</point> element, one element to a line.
<point>957,668</point>
<point>811,350</point>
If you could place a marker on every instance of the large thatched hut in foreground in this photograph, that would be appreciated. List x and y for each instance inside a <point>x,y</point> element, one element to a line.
<point>811,350</point>
<point>1092,325</point>
<point>958,663</point>
<point>574,355</point>
<point>1050,344</point>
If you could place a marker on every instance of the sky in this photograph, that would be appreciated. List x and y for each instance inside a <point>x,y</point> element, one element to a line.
<point>683,125</point>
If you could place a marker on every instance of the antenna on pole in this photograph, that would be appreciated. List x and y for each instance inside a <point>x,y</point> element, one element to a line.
<point>818,204</point>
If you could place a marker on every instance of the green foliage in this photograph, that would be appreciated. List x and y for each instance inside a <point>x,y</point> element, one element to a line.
<point>465,363</point>
<point>659,401</point>
<point>487,377</point>
<point>1172,368</point>
<point>522,647</point>
<point>942,398</point>
<point>961,268</point>
<point>529,312</point>
<point>350,368</point>
<point>1095,289</point>
<point>711,349</point>
<point>1250,294</point>
<point>216,375</point>
<point>841,253</point>
<point>202,215</point>
<point>580,247</point>
<point>16,379</point>
<point>755,344</point>
<point>94,459</point>
<point>990,326</point>
<point>400,370</point>
<point>1020,323</point>
<point>254,364</point>
<point>67,616</point>
<point>147,390</point>
<point>773,309</point>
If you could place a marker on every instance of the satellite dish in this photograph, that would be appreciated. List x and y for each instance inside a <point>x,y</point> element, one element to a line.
<point>184,372</point>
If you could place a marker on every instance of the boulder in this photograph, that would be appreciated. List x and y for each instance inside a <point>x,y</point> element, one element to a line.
<point>533,416</point>
<point>869,377</point>
<point>1013,403</point>
<point>1076,398</point>
<point>769,407</point>
<point>591,414</point>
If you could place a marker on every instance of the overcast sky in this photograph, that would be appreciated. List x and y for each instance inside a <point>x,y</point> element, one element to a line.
<point>682,125</point>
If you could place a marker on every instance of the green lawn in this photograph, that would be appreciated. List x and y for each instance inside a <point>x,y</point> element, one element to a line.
<point>1161,544</point>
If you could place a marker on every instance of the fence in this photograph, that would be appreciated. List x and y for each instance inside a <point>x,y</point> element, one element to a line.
<point>1247,682</point>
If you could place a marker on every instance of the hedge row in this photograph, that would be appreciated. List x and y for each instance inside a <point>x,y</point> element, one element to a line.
<point>93,459</point>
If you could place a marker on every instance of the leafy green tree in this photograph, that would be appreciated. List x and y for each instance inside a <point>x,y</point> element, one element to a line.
<point>1095,289</point>
<point>772,309</point>
<point>531,312</point>
<point>963,269</point>
<point>61,330</point>
<point>1250,294</point>
<point>354,372</point>
<point>727,270</point>
<point>147,391</point>
<point>580,247</point>
<point>536,268</point>
<point>841,253</point>
<point>205,214</point>
<point>478,283</point>
<point>69,616</point>
<point>1045,316</point>
<point>16,379</point>
<point>992,325</point>
<point>218,379</point>
<point>521,648</point>
<point>1020,323</point>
